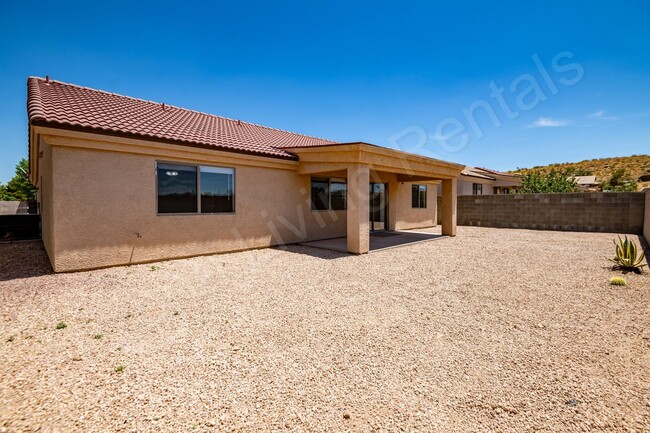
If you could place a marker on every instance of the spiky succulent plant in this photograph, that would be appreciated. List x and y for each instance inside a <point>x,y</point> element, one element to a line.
<point>627,256</point>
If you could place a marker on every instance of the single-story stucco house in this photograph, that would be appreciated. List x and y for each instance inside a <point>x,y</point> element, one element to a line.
<point>123,180</point>
<point>483,181</point>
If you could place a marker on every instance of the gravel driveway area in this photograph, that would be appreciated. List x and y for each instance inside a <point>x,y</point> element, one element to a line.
<point>493,330</point>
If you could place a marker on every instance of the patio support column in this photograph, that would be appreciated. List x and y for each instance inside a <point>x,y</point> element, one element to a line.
<point>395,189</point>
<point>358,229</point>
<point>449,192</point>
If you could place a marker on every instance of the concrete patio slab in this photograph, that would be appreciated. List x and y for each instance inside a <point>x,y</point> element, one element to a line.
<point>378,241</point>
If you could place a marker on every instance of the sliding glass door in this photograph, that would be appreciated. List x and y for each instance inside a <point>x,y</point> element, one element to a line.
<point>378,206</point>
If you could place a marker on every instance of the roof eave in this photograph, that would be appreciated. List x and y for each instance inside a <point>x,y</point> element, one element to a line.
<point>491,179</point>
<point>449,164</point>
<point>113,133</point>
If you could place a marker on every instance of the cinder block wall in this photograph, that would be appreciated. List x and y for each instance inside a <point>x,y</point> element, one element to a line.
<point>17,207</point>
<point>614,212</point>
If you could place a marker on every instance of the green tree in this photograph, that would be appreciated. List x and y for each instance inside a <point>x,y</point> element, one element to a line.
<point>18,188</point>
<point>540,181</point>
<point>620,180</point>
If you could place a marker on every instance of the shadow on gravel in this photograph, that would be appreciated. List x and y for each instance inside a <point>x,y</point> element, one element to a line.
<point>23,259</point>
<point>319,253</point>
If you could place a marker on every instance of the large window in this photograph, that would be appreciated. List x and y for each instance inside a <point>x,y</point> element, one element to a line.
<point>477,189</point>
<point>177,188</point>
<point>338,194</point>
<point>419,196</point>
<point>195,189</point>
<point>320,190</point>
<point>328,193</point>
<point>217,190</point>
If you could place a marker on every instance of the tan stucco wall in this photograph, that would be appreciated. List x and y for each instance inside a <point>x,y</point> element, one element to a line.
<point>408,217</point>
<point>358,210</point>
<point>96,195</point>
<point>103,199</point>
<point>46,198</point>
<point>465,186</point>
<point>448,209</point>
<point>508,183</point>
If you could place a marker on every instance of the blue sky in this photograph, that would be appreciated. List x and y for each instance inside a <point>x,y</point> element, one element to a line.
<point>389,74</point>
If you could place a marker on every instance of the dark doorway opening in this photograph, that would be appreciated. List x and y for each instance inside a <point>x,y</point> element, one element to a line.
<point>378,204</point>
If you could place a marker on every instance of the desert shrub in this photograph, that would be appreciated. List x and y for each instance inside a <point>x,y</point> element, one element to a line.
<point>541,181</point>
<point>617,281</point>
<point>619,181</point>
<point>627,256</point>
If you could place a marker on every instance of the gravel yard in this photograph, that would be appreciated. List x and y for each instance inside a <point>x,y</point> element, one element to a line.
<point>494,330</point>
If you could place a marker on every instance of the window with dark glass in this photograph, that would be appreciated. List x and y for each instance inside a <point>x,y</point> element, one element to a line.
<point>477,189</point>
<point>185,188</point>
<point>217,189</point>
<point>338,194</point>
<point>177,189</point>
<point>328,194</point>
<point>319,193</point>
<point>419,196</point>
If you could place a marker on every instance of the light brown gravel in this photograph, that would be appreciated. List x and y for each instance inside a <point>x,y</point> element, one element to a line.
<point>494,330</point>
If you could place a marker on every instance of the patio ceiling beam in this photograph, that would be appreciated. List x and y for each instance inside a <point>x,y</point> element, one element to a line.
<point>321,167</point>
<point>321,159</point>
<point>411,178</point>
<point>421,173</point>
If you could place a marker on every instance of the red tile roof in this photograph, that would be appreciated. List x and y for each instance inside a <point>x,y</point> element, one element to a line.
<point>57,104</point>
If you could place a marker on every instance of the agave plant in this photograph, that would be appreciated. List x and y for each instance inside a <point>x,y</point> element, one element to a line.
<point>627,258</point>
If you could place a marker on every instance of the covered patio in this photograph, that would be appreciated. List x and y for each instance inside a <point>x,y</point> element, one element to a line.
<point>363,164</point>
<point>378,241</point>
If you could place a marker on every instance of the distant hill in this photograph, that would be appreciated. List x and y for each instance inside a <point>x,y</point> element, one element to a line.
<point>638,166</point>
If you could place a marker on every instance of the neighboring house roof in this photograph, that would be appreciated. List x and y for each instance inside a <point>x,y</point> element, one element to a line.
<point>585,180</point>
<point>492,171</point>
<point>473,172</point>
<point>68,106</point>
<point>496,173</point>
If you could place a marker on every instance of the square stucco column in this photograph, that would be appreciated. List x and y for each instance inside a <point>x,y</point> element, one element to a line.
<point>449,192</point>
<point>358,211</point>
<point>394,191</point>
